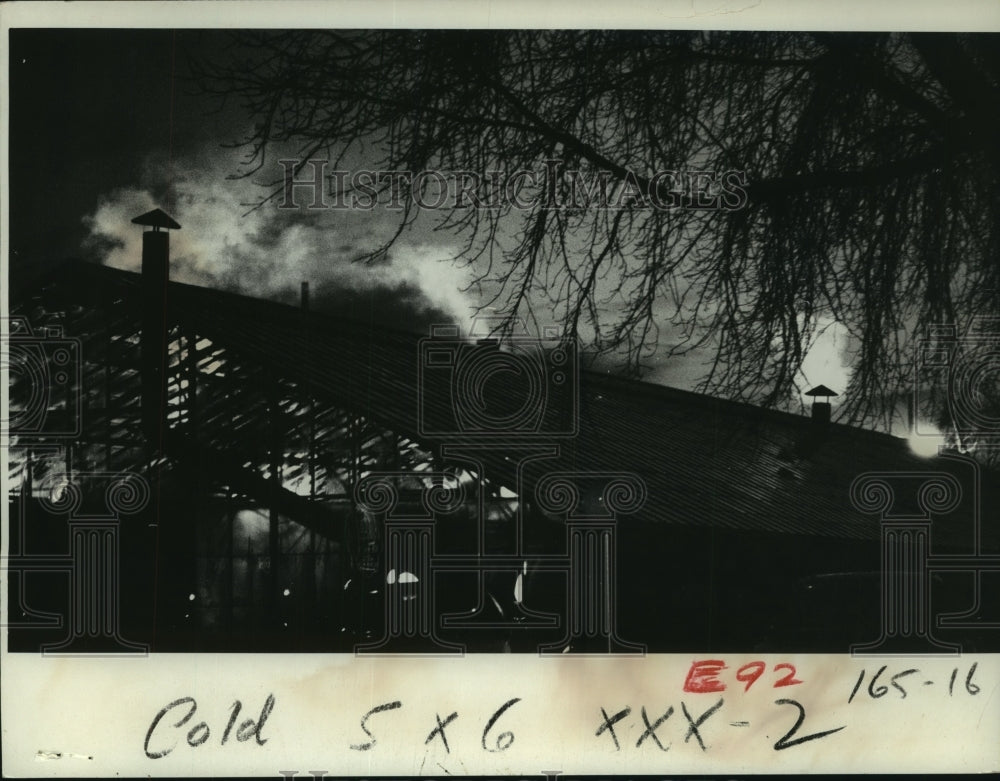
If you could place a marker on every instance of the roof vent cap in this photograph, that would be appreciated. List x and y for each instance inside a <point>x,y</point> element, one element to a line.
<point>156,219</point>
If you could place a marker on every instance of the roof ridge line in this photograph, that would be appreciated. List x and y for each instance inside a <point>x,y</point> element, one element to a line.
<point>597,376</point>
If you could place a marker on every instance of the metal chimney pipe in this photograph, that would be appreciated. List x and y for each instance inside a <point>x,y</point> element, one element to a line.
<point>153,343</point>
<point>153,339</point>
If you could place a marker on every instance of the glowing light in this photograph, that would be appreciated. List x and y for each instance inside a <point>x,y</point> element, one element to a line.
<point>926,440</point>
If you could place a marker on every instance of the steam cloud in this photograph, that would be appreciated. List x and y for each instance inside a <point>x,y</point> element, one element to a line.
<point>269,252</point>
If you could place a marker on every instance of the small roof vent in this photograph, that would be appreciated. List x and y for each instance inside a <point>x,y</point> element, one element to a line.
<point>821,409</point>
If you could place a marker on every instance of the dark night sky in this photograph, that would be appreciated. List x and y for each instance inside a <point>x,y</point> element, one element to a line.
<point>105,116</point>
<point>87,106</point>
<point>106,124</point>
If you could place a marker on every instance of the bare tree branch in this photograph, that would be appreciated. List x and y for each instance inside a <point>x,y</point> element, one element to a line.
<point>868,165</point>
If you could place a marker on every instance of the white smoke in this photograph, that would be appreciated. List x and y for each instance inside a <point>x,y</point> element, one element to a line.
<point>267,252</point>
<point>827,362</point>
